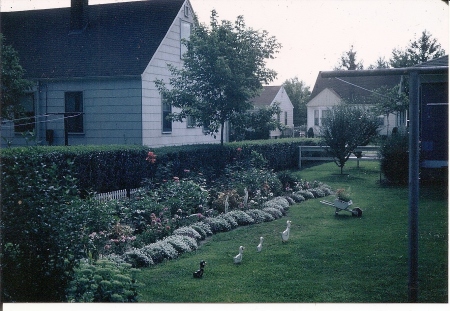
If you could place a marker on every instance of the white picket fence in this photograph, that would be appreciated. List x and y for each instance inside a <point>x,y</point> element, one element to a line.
<point>114,195</point>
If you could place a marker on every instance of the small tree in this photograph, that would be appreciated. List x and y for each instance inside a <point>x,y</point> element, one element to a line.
<point>13,85</point>
<point>256,124</point>
<point>223,69</point>
<point>346,127</point>
<point>299,95</point>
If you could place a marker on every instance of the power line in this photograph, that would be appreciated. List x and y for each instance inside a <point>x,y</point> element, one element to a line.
<point>43,121</point>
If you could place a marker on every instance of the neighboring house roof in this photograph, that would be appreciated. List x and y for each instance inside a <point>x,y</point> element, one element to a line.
<point>437,62</point>
<point>266,97</point>
<point>120,39</point>
<point>353,87</point>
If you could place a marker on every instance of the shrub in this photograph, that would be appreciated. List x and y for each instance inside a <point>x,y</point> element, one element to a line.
<point>306,194</point>
<point>275,212</point>
<point>159,251</point>
<point>317,192</point>
<point>241,217</point>
<point>188,231</point>
<point>178,243</point>
<point>103,281</point>
<point>297,197</point>
<point>217,224</point>
<point>230,219</point>
<point>259,216</point>
<point>137,258</point>
<point>202,226</point>
<point>395,158</point>
<point>191,242</point>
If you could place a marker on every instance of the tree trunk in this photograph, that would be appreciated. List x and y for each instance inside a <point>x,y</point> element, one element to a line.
<point>221,133</point>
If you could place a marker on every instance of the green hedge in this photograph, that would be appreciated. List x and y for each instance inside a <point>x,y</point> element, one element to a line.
<point>113,167</point>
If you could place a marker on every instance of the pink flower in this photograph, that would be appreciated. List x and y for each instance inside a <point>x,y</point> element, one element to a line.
<point>151,157</point>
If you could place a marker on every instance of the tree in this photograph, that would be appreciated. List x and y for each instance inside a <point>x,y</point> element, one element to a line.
<point>299,94</point>
<point>348,61</point>
<point>418,51</point>
<point>346,127</point>
<point>223,69</point>
<point>13,85</point>
<point>256,124</point>
<point>380,63</point>
<point>387,100</point>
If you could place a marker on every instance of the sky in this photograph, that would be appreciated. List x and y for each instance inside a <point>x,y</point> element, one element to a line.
<point>315,33</point>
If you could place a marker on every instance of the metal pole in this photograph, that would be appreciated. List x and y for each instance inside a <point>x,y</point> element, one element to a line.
<point>413,185</point>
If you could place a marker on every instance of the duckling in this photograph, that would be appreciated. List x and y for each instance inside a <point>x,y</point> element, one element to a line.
<point>259,247</point>
<point>285,233</point>
<point>238,257</point>
<point>199,273</point>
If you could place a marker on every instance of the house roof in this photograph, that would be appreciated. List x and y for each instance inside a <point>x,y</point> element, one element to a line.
<point>266,97</point>
<point>353,87</point>
<point>120,39</point>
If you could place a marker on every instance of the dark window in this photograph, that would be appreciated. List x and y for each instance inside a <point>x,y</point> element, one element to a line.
<point>166,121</point>
<point>74,112</point>
<point>285,118</point>
<point>27,120</point>
<point>190,120</point>
<point>316,117</point>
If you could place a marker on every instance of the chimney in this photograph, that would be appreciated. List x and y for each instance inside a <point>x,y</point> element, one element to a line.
<point>78,14</point>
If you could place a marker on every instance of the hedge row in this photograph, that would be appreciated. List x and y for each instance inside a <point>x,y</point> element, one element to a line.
<point>113,167</point>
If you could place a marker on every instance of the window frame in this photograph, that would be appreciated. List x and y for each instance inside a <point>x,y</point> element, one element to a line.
<point>74,117</point>
<point>165,129</point>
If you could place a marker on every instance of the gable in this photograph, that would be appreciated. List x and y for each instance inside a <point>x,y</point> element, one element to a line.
<point>119,40</point>
<point>325,98</point>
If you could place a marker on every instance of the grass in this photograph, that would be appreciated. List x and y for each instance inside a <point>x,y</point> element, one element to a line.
<point>328,258</point>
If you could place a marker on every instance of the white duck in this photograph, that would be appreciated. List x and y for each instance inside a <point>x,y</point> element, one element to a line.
<point>259,247</point>
<point>285,233</point>
<point>238,257</point>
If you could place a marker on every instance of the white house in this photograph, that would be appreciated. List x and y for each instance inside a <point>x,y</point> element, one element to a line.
<point>277,94</point>
<point>328,92</point>
<point>94,67</point>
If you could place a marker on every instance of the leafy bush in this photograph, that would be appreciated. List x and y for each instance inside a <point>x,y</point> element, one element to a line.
<point>188,231</point>
<point>259,216</point>
<point>218,224</point>
<point>159,251</point>
<point>395,158</point>
<point>230,219</point>
<point>275,212</point>
<point>317,192</point>
<point>201,226</point>
<point>306,194</point>
<point>241,217</point>
<point>103,281</point>
<point>297,197</point>
<point>137,258</point>
<point>178,243</point>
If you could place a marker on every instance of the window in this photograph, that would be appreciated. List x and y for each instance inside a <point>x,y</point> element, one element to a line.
<point>190,120</point>
<point>325,115</point>
<point>285,118</point>
<point>186,10</point>
<point>316,117</point>
<point>166,121</point>
<point>74,112</point>
<point>185,32</point>
<point>26,121</point>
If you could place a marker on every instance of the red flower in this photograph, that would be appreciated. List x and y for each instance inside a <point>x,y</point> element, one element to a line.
<point>151,157</point>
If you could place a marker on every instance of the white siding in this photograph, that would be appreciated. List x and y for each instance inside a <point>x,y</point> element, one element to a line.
<point>168,52</point>
<point>323,101</point>
<point>112,111</point>
<point>285,106</point>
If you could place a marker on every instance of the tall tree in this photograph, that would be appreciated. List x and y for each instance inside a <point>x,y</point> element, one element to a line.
<point>346,127</point>
<point>381,63</point>
<point>224,68</point>
<point>348,61</point>
<point>299,94</point>
<point>13,85</point>
<point>419,50</point>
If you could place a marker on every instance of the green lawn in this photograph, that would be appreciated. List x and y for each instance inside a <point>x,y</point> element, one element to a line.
<point>327,259</point>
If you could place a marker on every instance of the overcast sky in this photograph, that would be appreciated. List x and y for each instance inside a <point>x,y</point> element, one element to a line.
<point>315,33</point>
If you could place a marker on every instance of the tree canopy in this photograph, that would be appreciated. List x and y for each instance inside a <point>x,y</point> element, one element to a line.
<point>299,94</point>
<point>223,69</point>
<point>348,61</point>
<point>344,128</point>
<point>420,50</point>
<point>13,85</point>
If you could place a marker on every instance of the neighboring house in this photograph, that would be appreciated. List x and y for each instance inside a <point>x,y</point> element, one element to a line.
<point>94,68</point>
<point>277,94</point>
<point>328,92</point>
<point>434,116</point>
